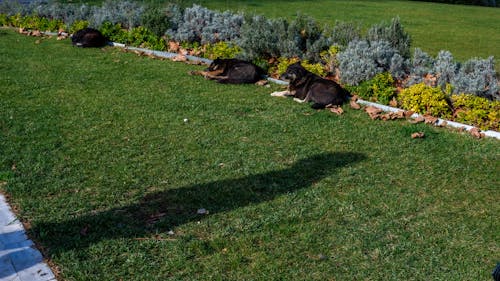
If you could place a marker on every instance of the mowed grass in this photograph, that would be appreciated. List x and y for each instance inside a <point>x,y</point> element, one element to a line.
<point>100,164</point>
<point>466,31</point>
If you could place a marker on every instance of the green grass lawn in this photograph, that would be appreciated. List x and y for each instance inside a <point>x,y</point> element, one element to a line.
<point>98,161</point>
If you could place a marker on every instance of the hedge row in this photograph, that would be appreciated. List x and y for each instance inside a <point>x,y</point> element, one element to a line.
<point>356,58</point>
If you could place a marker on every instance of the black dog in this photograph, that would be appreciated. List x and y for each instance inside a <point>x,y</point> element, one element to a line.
<point>306,86</point>
<point>89,37</point>
<point>232,71</point>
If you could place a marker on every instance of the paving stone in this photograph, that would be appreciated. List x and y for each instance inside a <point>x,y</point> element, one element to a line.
<point>6,216</point>
<point>7,270</point>
<point>19,260</point>
<point>10,235</point>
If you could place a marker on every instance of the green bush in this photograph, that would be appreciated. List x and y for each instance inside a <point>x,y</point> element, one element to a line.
<point>143,37</point>
<point>156,20</point>
<point>114,32</point>
<point>4,20</point>
<point>78,25</point>
<point>380,88</point>
<point>477,111</point>
<point>222,50</point>
<point>329,58</point>
<point>424,99</point>
<point>284,63</point>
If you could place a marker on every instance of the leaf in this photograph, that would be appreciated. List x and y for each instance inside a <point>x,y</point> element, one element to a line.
<point>475,132</point>
<point>409,113</point>
<point>419,119</point>
<point>173,46</point>
<point>373,112</point>
<point>393,102</point>
<point>418,135</point>
<point>430,119</point>
<point>354,104</point>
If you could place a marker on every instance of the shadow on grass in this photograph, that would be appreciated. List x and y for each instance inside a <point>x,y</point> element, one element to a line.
<point>162,211</point>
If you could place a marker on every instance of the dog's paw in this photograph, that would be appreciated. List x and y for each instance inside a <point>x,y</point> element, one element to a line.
<point>279,94</point>
<point>299,100</point>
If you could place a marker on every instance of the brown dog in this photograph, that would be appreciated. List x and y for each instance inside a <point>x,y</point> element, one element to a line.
<point>305,86</point>
<point>232,71</point>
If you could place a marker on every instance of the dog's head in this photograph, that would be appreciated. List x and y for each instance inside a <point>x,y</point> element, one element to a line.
<point>218,64</point>
<point>293,72</point>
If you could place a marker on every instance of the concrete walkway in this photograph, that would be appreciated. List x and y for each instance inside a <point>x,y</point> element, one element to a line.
<point>19,258</point>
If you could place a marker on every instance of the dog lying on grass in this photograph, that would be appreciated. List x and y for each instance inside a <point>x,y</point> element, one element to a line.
<point>232,71</point>
<point>305,86</point>
<point>89,37</point>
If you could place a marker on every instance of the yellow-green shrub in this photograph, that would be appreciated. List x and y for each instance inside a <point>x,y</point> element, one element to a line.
<point>329,57</point>
<point>424,99</point>
<point>477,111</point>
<point>78,25</point>
<point>284,63</point>
<point>380,88</point>
<point>222,50</point>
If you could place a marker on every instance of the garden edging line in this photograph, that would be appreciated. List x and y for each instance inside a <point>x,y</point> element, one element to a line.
<point>386,108</point>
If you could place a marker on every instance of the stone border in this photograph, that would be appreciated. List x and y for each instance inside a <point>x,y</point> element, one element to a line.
<point>19,258</point>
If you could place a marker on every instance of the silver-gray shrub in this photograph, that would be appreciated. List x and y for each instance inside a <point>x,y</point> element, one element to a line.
<point>13,7</point>
<point>202,25</point>
<point>344,32</point>
<point>259,37</point>
<point>126,13</point>
<point>477,76</point>
<point>394,34</point>
<point>445,68</point>
<point>362,60</point>
<point>303,37</point>
<point>421,65</point>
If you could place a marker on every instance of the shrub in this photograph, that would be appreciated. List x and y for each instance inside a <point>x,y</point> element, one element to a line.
<point>477,111</point>
<point>380,88</point>
<point>345,32</point>
<point>329,58</point>
<point>362,60</point>
<point>445,68</point>
<point>126,13</point>
<point>392,33</point>
<point>114,32</point>
<point>11,7</point>
<point>284,63</point>
<point>421,65</point>
<point>223,50</point>
<point>424,99</point>
<point>477,76</point>
<point>202,25</point>
<point>259,37</point>
<point>303,38</point>
<point>142,37</point>
<point>4,20</point>
<point>78,25</point>
<point>155,20</point>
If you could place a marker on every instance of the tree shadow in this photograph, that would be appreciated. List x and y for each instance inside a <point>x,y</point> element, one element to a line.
<point>163,211</point>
